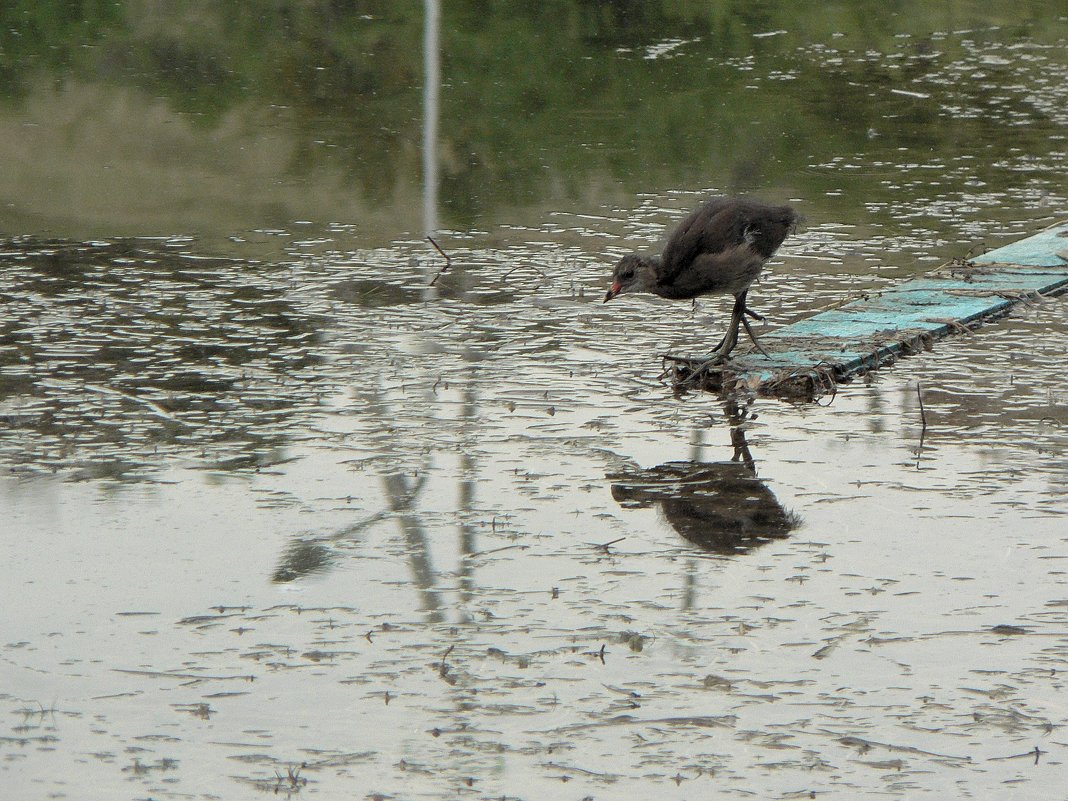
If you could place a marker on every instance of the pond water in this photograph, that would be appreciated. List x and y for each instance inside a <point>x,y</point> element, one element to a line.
<point>290,510</point>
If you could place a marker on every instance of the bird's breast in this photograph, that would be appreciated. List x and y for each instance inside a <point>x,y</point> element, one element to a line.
<point>725,273</point>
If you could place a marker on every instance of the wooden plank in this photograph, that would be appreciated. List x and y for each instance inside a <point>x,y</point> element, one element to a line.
<point>810,357</point>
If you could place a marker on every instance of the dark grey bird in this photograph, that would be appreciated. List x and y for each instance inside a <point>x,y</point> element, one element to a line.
<point>719,249</point>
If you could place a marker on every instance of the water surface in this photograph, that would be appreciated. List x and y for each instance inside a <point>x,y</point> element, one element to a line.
<point>285,515</point>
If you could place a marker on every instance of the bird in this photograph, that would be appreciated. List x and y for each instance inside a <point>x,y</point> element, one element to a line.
<point>719,249</point>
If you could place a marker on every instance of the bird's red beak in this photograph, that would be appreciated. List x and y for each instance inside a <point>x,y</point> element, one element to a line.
<point>612,291</point>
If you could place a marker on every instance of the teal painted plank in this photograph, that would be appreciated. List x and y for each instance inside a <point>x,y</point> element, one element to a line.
<point>864,334</point>
<point>1039,250</point>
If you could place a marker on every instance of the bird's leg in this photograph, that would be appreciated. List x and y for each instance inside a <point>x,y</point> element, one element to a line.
<point>730,339</point>
<point>741,300</point>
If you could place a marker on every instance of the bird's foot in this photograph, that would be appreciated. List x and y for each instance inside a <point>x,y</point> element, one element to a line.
<point>752,336</point>
<point>721,354</point>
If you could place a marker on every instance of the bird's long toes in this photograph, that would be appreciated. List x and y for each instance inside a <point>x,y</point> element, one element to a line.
<point>716,359</point>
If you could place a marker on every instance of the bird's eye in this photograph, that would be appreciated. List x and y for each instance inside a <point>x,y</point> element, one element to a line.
<point>626,275</point>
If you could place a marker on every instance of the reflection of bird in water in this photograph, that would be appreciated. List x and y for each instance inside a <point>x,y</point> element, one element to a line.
<point>720,506</point>
<point>719,249</point>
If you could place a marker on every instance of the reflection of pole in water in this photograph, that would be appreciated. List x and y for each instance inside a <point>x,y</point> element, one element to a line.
<point>689,586</point>
<point>467,494</point>
<point>431,86</point>
<point>697,444</point>
<point>402,500</point>
<point>402,494</point>
<point>876,422</point>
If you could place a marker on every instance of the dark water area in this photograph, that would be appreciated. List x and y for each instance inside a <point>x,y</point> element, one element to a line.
<point>289,508</point>
<point>926,127</point>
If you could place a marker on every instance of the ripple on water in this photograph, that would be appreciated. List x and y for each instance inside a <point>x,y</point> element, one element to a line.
<point>135,346</point>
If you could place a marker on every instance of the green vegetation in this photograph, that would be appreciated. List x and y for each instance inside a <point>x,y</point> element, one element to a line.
<point>49,36</point>
<point>536,97</point>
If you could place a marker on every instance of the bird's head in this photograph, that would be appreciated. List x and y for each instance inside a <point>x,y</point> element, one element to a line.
<point>633,273</point>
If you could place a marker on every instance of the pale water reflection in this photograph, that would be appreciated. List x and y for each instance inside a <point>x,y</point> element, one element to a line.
<point>421,581</point>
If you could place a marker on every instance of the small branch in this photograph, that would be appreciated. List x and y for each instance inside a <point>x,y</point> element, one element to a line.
<point>497,550</point>
<point>444,255</point>
<point>443,668</point>
<point>518,266</point>
<point>1036,753</point>
<point>597,654</point>
<point>437,247</point>
<point>604,545</point>
<point>923,421</point>
<point>923,412</point>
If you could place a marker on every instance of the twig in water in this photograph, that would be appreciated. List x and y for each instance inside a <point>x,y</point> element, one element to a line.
<point>444,255</point>
<point>292,781</point>
<point>531,266</point>
<point>597,654</point>
<point>1036,753</point>
<point>497,550</point>
<point>923,412</point>
<point>443,668</point>
<point>923,428</point>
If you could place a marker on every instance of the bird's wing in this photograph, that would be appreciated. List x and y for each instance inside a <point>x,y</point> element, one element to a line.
<point>713,227</point>
<point>721,225</point>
